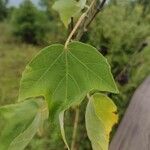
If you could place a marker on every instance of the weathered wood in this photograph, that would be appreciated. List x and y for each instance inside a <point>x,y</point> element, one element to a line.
<point>134,131</point>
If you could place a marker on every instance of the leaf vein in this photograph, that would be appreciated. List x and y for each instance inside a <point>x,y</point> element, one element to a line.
<point>88,68</point>
<point>75,81</point>
<point>57,58</point>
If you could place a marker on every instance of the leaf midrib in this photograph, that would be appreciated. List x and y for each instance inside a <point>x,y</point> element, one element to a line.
<point>66,62</point>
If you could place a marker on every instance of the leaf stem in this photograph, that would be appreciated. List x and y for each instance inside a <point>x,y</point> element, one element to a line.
<point>78,24</point>
<point>88,96</point>
<point>94,9</point>
<point>76,120</point>
<point>74,29</point>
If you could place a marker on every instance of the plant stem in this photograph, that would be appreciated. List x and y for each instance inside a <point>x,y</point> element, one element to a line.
<point>83,16</point>
<point>99,8</point>
<point>74,29</point>
<point>83,22</point>
<point>76,120</point>
<point>94,9</point>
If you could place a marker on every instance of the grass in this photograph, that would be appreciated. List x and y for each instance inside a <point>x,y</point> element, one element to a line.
<point>13,58</point>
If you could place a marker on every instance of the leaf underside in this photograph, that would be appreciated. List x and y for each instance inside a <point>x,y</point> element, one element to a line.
<point>100,118</point>
<point>20,122</point>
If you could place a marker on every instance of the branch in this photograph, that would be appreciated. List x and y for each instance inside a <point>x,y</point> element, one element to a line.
<point>85,20</point>
<point>101,5</point>
<point>82,17</point>
<point>91,14</point>
<point>74,30</point>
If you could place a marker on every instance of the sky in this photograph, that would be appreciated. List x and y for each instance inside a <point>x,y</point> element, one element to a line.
<point>17,2</point>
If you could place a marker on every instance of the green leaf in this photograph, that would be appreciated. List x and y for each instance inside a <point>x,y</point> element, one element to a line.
<point>82,3</point>
<point>64,77</point>
<point>68,9</point>
<point>100,118</point>
<point>20,122</point>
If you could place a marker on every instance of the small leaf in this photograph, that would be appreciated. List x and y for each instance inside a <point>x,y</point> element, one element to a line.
<point>64,77</point>
<point>82,3</point>
<point>100,118</point>
<point>20,122</point>
<point>68,9</point>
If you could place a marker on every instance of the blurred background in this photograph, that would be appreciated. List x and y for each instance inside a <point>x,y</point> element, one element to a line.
<point>121,32</point>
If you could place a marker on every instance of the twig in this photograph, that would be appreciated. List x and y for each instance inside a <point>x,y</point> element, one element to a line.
<point>83,16</point>
<point>92,13</point>
<point>74,30</point>
<point>75,128</point>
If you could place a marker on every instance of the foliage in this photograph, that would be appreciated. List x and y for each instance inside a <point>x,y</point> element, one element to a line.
<point>30,24</point>
<point>145,3</point>
<point>123,44</point>
<point>13,58</point>
<point>57,76</point>
<point>46,5</point>
<point>17,126</point>
<point>123,38</point>
<point>66,89</point>
<point>112,39</point>
<point>3,9</point>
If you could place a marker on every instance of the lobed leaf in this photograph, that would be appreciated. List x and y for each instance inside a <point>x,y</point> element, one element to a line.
<point>100,117</point>
<point>20,122</point>
<point>64,77</point>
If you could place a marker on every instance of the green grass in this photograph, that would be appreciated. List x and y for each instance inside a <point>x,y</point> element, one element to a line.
<point>13,58</point>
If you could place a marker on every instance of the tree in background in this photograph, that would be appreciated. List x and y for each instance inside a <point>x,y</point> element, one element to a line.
<point>3,9</point>
<point>125,44</point>
<point>47,4</point>
<point>145,3</point>
<point>58,30</point>
<point>29,23</point>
